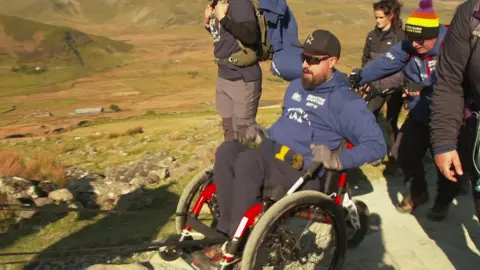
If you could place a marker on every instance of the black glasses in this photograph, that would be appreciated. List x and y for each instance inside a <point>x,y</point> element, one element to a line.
<point>312,60</point>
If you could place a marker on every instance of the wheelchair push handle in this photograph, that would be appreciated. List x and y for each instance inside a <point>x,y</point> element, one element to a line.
<point>309,172</point>
<point>312,169</point>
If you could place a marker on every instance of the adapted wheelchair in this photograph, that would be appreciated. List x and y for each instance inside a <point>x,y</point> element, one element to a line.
<point>269,227</point>
<point>347,219</point>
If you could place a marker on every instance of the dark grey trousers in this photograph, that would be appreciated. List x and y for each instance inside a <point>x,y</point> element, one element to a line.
<point>241,174</point>
<point>411,146</point>
<point>237,104</point>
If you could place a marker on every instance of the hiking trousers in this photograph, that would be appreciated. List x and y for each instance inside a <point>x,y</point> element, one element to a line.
<point>237,104</point>
<point>241,174</point>
<point>411,146</point>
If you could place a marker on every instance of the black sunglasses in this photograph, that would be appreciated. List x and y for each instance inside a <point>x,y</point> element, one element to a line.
<point>416,40</point>
<point>312,60</point>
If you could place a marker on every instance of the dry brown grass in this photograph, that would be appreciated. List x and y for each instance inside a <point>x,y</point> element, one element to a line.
<point>130,132</point>
<point>114,135</point>
<point>208,154</point>
<point>133,131</point>
<point>42,166</point>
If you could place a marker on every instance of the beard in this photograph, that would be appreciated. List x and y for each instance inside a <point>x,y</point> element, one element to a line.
<point>311,80</point>
<point>308,79</point>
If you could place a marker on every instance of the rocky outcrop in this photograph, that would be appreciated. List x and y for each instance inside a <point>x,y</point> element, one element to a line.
<point>91,190</point>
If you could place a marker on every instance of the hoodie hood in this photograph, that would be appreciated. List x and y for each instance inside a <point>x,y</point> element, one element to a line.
<point>439,42</point>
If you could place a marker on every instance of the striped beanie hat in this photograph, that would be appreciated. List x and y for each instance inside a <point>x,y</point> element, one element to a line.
<point>423,23</point>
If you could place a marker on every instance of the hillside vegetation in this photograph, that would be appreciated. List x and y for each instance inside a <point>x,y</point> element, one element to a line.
<point>27,41</point>
<point>124,14</point>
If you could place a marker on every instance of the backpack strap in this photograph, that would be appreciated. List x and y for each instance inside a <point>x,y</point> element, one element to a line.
<point>475,25</point>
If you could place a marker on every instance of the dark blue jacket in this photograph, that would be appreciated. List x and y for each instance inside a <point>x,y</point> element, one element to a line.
<point>327,115</point>
<point>282,32</point>
<point>416,68</point>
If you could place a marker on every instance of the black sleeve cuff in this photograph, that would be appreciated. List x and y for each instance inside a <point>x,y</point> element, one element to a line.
<point>227,23</point>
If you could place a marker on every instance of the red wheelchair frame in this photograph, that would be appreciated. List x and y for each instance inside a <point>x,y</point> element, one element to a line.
<point>255,211</point>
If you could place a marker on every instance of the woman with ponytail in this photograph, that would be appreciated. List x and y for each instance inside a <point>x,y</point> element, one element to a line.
<point>387,32</point>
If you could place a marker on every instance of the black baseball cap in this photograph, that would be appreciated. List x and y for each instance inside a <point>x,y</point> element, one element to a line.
<point>321,42</point>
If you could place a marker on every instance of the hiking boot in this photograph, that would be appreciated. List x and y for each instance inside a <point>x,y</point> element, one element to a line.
<point>409,203</point>
<point>438,212</point>
<point>209,257</point>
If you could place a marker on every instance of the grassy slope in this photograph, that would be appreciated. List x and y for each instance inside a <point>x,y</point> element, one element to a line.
<point>191,143</point>
<point>85,53</point>
<point>190,136</point>
<point>132,15</point>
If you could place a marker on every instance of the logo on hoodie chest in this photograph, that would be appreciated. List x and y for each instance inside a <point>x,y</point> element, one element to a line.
<point>314,101</point>
<point>297,97</point>
<point>299,115</point>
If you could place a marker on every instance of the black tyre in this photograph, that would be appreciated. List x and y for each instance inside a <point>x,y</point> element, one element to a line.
<point>355,237</point>
<point>191,191</point>
<point>289,206</point>
<point>170,253</point>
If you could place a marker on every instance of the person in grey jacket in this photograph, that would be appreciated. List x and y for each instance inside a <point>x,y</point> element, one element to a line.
<point>456,95</point>
<point>388,32</point>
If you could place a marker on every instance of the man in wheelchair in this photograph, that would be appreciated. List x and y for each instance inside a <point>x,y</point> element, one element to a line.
<point>319,112</point>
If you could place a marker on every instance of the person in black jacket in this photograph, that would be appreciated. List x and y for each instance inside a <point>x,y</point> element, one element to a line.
<point>238,87</point>
<point>456,96</point>
<point>388,32</point>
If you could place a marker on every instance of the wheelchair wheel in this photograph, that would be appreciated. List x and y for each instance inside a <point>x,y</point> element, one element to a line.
<point>271,244</point>
<point>355,237</point>
<point>190,193</point>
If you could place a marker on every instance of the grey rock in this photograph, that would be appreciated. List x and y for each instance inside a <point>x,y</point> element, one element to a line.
<point>17,187</point>
<point>76,205</point>
<point>26,214</point>
<point>47,186</point>
<point>153,177</point>
<point>162,173</point>
<point>63,195</point>
<point>32,192</point>
<point>139,181</point>
<point>43,201</point>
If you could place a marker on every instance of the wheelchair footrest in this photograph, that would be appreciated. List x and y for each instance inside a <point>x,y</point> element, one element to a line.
<point>198,226</point>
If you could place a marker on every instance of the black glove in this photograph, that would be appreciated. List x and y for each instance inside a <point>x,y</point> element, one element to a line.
<point>355,78</point>
<point>322,153</point>
<point>415,87</point>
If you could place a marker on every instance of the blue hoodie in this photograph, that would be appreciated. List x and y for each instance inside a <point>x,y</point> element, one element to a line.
<point>327,115</point>
<point>420,69</point>
<point>282,32</point>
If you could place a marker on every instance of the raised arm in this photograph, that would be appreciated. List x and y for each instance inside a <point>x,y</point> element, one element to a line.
<point>392,62</point>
